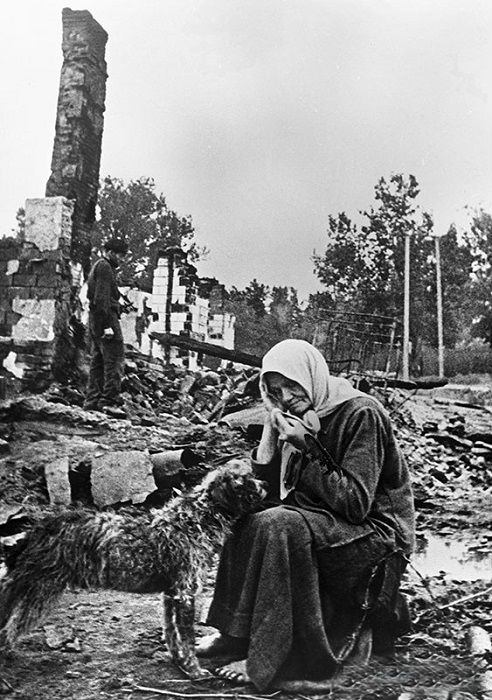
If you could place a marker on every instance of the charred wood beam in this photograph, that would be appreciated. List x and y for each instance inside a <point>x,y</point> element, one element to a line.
<point>187,343</point>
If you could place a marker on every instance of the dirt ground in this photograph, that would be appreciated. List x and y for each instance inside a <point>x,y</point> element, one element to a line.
<point>106,644</point>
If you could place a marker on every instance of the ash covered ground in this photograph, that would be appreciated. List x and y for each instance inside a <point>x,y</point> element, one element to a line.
<point>107,644</point>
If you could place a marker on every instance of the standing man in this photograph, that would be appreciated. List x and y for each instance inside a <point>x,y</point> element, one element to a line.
<point>107,349</point>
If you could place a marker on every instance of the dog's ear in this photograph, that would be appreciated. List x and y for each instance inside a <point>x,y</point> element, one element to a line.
<point>236,491</point>
<point>223,492</point>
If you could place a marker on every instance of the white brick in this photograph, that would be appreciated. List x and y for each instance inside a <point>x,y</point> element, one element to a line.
<point>37,322</point>
<point>49,222</point>
<point>159,290</point>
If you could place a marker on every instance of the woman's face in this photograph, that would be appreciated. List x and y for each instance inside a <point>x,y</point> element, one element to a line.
<point>288,394</point>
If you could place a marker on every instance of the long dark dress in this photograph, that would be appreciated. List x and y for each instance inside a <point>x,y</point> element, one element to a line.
<point>292,578</point>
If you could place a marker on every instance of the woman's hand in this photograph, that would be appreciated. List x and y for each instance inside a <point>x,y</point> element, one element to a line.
<point>289,428</point>
<point>268,443</point>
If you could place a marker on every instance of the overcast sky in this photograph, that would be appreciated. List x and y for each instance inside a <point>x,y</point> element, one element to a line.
<point>261,117</point>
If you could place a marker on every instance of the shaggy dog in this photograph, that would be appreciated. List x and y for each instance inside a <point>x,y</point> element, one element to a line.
<point>167,550</point>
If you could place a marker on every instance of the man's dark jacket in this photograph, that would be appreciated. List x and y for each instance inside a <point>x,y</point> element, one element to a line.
<point>103,294</point>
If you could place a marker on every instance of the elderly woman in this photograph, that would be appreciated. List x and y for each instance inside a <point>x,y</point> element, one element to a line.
<point>311,579</point>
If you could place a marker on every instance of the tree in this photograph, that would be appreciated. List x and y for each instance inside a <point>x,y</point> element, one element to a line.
<point>479,238</point>
<point>255,296</point>
<point>20,217</point>
<point>264,316</point>
<point>345,263</point>
<point>285,312</point>
<point>363,267</point>
<point>458,296</point>
<point>135,211</point>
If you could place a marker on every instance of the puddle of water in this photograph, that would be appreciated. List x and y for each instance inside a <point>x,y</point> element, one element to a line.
<point>435,554</point>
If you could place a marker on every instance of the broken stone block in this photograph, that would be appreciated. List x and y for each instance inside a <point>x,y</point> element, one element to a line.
<point>48,222</point>
<point>478,640</point>
<point>57,637</point>
<point>256,415</point>
<point>56,474</point>
<point>10,364</point>
<point>118,477</point>
<point>37,319</point>
<point>74,645</point>
<point>12,267</point>
<point>8,511</point>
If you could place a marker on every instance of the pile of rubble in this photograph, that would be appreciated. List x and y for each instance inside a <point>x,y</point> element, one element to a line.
<point>150,388</point>
<point>453,444</point>
<point>448,446</point>
<point>178,424</point>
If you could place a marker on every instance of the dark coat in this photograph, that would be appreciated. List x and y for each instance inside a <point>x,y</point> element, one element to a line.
<point>364,487</point>
<point>103,294</point>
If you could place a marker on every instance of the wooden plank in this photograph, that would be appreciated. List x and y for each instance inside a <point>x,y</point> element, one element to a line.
<point>183,341</point>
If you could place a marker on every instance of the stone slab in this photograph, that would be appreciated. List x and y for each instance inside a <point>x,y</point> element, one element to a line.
<point>49,221</point>
<point>56,474</point>
<point>38,318</point>
<point>10,364</point>
<point>118,477</point>
<point>9,510</point>
<point>12,266</point>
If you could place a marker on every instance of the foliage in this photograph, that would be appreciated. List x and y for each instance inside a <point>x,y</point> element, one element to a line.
<point>465,360</point>
<point>362,267</point>
<point>20,217</point>
<point>458,293</point>
<point>254,296</point>
<point>135,212</point>
<point>479,239</point>
<point>264,316</point>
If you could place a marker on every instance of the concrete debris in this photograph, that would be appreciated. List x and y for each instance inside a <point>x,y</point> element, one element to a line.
<point>10,364</point>
<point>61,638</point>
<point>56,475</point>
<point>151,389</point>
<point>255,415</point>
<point>119,477</point>
<point>484,684</point>
<point>9,511</point>
<point>74,645</point>
<point>478,641</point>
<point>36,320</point>
<point>39,407</point>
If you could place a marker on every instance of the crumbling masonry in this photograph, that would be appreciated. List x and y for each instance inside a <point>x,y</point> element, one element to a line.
<point>186,304</point>
<point>79,125</point>
<point>36,293</point>
<point>40,276</point>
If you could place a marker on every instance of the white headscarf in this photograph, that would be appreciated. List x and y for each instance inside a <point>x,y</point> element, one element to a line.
<point>301,362</point>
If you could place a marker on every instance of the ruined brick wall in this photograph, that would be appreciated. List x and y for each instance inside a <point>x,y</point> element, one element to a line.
<point>36,296</point>
<point>79,125</point>
<point>185,304</point>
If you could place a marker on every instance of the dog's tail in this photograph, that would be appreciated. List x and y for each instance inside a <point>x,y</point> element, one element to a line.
<point>67,549</point>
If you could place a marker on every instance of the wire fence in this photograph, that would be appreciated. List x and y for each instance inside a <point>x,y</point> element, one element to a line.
<point>356,343</point>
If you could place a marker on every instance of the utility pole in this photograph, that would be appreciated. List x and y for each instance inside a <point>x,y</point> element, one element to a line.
<point>406,308</point>
<point>440,342</point>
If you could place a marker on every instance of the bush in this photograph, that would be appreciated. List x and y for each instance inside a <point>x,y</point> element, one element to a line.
<point>473,358</point>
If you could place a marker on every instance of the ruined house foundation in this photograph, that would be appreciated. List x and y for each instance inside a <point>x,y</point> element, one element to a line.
<point>36,295</point>
<point>185,304</point>
<point>41,274</point>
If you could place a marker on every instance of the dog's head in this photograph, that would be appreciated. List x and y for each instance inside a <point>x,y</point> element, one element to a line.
<point>233,488</point>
